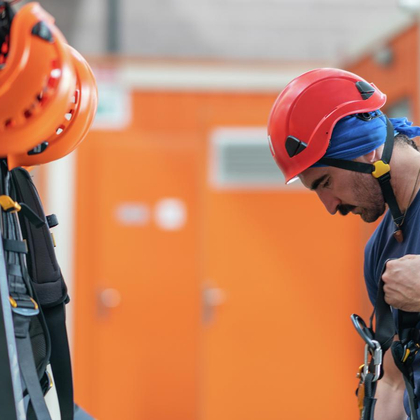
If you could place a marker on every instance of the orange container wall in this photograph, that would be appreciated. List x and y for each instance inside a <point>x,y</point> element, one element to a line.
<point>280,345</point>
<point>399,79</point>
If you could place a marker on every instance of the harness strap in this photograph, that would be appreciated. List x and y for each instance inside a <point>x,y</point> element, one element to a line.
<point>48,284</point>
<point>30,376</point>
<point>60,359</point>
<point>26,359</point>
<point>13,245</point>
<point>369,400</point>
<point>27,318</point>
<point>384,321</point>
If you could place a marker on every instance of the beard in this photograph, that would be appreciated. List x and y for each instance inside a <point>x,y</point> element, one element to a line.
<point>368,193</point>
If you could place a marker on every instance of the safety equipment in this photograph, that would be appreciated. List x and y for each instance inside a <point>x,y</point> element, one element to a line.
<point>378,340</point>
<point>48,94</point>
<point>48,99</point>
<point>304,115</point>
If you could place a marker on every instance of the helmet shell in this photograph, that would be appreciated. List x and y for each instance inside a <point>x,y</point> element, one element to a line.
<point>308,109</point>
<point>74,124</point>
<point>39,83</point>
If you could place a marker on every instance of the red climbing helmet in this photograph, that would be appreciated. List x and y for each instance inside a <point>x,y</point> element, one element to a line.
<point>48,94</point>
<point>304,115</point>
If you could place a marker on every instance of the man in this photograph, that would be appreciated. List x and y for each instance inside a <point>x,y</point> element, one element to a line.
<point>326,128</point>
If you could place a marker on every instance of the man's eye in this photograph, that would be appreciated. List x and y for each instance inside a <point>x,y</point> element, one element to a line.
<point>326,184</point>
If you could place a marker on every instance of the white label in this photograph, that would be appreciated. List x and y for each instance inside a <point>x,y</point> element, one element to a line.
<point>114,107</point>
<point>133,214</point>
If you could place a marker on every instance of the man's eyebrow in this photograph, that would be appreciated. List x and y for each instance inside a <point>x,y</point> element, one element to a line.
<point>318,181</point>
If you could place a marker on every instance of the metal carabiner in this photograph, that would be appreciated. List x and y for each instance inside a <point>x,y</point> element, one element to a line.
<point>372,347</point>
<point>376,357</point>
<point>363,331</point>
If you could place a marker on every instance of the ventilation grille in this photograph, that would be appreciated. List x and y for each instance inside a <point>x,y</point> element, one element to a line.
<point>241,158</point>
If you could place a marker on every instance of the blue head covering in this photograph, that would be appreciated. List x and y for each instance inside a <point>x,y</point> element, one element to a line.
<point>353,137</point>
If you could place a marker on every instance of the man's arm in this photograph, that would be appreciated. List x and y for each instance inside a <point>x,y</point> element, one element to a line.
<point>390,392</point>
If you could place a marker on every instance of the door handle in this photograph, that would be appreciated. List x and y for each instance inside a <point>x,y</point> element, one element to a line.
<point>212,298</point>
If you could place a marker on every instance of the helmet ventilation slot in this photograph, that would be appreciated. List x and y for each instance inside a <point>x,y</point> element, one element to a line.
<point>60,130</point>
<point>9,123</point>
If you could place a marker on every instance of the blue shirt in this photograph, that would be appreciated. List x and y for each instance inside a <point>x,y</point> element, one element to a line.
<point>381,247</point>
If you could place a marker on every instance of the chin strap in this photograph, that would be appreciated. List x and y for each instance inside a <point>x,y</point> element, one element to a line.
<point>379,170</point>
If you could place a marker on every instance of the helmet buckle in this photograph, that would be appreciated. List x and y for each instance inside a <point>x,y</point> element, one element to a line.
<point>381,168</point>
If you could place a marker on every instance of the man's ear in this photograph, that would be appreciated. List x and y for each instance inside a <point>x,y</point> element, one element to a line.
<point>371,157</point>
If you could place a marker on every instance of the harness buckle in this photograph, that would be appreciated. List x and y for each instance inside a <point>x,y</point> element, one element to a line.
<point>381,168</point>
<point>8,204</point>
<point>24,305</point>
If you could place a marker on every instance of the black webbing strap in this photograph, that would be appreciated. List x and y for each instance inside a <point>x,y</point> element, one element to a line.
<point>385,329</point>
<point>60,359</point>
<point>349,165</point>
<point>13,245</point>
<point>385,180</point>
<point>389,196</point>
<point>31,215</point>
<point>369,400</point>
<point>389,142</point>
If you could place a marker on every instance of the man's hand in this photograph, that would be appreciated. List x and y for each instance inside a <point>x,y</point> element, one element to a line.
<point>402,283</point>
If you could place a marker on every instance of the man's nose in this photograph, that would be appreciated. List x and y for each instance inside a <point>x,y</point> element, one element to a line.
<point>330,202</point>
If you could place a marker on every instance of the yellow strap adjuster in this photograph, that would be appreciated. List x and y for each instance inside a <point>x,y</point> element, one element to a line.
<point>35,304</point>
<point>408,352</point>
<point>381,168</point>
<point>15,305</point>
<point>8,204</point>
<point>12,302</point>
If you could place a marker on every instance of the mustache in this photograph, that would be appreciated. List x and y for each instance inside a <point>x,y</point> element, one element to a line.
<point>345,209</point>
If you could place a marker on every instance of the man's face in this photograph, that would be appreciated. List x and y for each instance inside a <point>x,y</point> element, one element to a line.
<point>346,191</point>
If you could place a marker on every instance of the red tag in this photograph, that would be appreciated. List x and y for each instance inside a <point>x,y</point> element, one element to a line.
<point>398,235</point>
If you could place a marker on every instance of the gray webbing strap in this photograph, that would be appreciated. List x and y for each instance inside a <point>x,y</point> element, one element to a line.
<point>30,376</point>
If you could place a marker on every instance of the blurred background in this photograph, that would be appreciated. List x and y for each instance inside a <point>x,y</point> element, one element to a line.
<point>201,287</point>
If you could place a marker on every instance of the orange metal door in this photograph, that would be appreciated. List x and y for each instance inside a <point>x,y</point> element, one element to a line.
<point>280,344</point>
<point>282,279</point>
<point>137,289</point>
